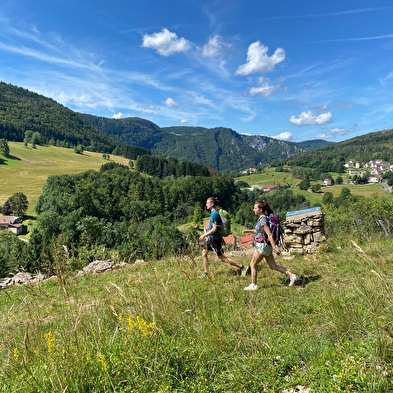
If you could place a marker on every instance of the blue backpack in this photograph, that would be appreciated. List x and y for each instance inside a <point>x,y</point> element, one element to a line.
<point>275,229</point>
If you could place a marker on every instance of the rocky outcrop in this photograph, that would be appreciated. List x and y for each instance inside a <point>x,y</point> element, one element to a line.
<point>20,279</point>
<point>305,231</point>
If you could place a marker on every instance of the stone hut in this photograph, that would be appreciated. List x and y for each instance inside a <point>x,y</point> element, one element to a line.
<point>305,231</point>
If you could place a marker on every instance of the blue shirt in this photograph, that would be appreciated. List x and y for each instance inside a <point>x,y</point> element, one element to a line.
<point>215,217</point>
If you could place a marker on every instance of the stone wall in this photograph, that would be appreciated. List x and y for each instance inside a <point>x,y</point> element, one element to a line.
<point>305,231</point>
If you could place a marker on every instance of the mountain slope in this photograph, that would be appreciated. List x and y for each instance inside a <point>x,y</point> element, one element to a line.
<point>22,110</point>
<point>372,146</point>
<point>220,148</point>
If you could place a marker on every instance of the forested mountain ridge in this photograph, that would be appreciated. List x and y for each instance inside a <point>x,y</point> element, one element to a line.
<point>364,148</point>
<point>22,110</point>
<point>220,148</point>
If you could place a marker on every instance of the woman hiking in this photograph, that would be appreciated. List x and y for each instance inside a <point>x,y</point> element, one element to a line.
<point>264,248</point>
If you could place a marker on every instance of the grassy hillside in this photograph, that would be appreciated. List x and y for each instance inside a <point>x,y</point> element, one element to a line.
<point>156,327</point>
<point>28,168</point>
<point>270,176</point>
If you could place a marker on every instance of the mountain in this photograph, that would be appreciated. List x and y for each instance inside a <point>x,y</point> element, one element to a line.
<point>313,144</point>
<point>364,148</point>
<point>22,110</point>
<point>219,148</point>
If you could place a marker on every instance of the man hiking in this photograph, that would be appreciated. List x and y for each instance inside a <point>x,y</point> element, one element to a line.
<point>214,241</point>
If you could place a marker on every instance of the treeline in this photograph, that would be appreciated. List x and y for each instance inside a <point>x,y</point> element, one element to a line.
<point>22,110</point>
<point>163,167</point>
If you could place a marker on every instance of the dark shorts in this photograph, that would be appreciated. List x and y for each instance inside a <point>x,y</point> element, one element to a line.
<point>216,246</point>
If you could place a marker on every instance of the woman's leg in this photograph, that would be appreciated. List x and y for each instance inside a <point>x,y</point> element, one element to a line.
<point>272,264</point>
<point>256,258</point>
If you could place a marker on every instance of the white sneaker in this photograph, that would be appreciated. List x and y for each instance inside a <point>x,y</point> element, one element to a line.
<point>292,279</point>
<point>251,287</point>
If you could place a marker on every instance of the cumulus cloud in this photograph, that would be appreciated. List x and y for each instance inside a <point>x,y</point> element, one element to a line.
<point>214,47</point>
<point>165,43</point>
<point>284,136</point>
<point>336,131</point>
<point>184,121</point>
<point>118,116</point>
<point>310,119</point>
<point>171,103</point>
<point>258,60</point>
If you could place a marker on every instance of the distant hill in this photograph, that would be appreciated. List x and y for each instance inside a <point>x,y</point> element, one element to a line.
<point>313,144</point>
<point>22,110</point>
<point>219,148</point>
<point>372,146</point>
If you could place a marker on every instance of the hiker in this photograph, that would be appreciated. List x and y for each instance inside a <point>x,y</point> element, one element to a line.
<point>214,241</point>
<point>262,247</point>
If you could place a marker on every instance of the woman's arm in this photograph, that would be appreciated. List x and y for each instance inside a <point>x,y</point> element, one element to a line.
<point>249,231</point>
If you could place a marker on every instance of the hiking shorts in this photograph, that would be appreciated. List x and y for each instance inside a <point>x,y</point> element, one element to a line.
<point>215,245</point>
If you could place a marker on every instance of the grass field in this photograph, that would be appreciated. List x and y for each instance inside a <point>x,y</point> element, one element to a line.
<point>270,177</point>
<point>157,328</point>
<point>28,168</point>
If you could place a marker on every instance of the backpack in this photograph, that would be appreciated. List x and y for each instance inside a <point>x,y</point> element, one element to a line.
<point>275,229</point>
<point>225,228</point>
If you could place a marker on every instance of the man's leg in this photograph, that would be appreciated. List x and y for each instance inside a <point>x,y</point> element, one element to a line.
<point>205,261</point>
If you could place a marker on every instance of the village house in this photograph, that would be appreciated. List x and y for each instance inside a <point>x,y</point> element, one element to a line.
<point>249,170</point>
<point>327,182</point>
<point>11,223</point>
<point>377,164</point>
<point>269,188</point>
<point>353,172</point>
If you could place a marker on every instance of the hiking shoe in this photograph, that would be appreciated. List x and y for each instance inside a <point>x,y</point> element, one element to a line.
<point>251,287</point>
<point>292,279</point>
<point>244,271</point>
<point>204,275</point>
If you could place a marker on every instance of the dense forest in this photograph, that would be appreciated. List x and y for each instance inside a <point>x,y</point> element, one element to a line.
<point>22,110</point>
<point>120,212</point>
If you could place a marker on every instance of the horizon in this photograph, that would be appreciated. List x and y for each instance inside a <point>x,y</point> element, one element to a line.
<point>288,72</point>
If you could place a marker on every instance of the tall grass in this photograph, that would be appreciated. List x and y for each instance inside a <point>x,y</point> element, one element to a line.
<point>156,327</point>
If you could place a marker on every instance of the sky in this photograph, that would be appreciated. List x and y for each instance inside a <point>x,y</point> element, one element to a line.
<point>290,70</point>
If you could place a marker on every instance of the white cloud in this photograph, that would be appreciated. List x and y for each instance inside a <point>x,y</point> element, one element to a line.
<point>171,103</point>
<point>336,131</point>
<point>165,43</point>
<point>309,119</point>
<point>184,121</point>
<point>214,47</point>
<point>118,116</point>
<point>284,136</point>
<point>266,89</point>
<point>259,61</point>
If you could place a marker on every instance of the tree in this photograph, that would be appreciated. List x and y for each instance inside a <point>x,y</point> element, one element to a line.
<point>327,198</point>
<point>78,149</point>
<point>339,180</point>
<point>6,209</point>
<point>304,184</point>
<point>19,204</point>
<point>316,187</point>
<point>198,215</point>
<point>4,148</point>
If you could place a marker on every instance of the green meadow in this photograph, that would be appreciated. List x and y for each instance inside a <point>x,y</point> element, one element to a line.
<point>27,169</point>
<point>156,327</point>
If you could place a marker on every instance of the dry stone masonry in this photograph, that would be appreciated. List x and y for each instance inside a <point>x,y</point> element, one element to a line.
<point>305,231</point>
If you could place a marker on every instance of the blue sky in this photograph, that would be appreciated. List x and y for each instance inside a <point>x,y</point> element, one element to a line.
<point>290,70</point>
